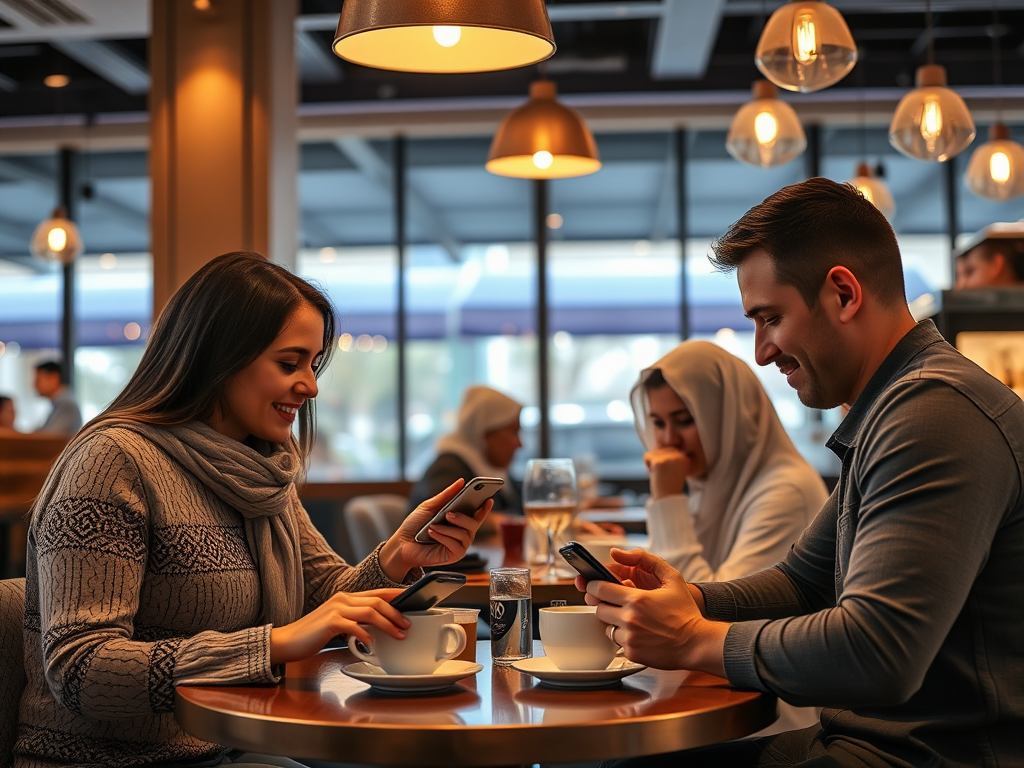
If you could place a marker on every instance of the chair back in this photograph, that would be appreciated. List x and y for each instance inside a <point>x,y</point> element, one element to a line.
<point>12,663</point>
<point>369,520</point>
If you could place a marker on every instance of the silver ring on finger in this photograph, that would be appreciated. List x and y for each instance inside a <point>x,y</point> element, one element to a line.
<point>610,631</point>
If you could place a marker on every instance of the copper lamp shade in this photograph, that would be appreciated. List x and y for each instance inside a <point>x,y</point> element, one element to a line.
<point>543,140</point>
<point>444,35</point>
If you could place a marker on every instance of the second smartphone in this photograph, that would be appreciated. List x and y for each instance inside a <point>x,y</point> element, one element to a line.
<point>428,591</point>
<point>467,502</point>
<point>588,566</point>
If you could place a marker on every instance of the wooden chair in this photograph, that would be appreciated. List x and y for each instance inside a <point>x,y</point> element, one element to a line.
<point>12,663</point>
<point>25,461</point>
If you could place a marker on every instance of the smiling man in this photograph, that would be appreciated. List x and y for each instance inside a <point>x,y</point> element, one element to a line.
<point>899,609</point>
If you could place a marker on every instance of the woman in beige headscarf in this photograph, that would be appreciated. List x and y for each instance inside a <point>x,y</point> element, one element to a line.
<point>483,445</point>
<point>729,491</point>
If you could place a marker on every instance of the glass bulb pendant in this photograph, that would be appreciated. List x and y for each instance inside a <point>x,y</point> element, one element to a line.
<point>805,46</point>
<point>766,131</point>
<point>874,190</point>
<point>996,169</point>
<point>931,122</point>
<point>56,239</point>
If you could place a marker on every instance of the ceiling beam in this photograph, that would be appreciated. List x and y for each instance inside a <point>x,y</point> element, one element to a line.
<point>366,159</point>
<point>107,61</point>
<point>16,170</point>
<point>685,38</point>
<point>317,64</point>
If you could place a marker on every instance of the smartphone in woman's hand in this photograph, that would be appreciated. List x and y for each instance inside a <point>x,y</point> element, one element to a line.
<point>466,502</point>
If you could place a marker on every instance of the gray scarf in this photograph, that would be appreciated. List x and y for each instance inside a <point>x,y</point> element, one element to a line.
<point>260,488</point>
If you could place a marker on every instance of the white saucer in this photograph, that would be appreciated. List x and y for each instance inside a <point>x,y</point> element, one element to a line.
<point>544,669</point>
<point>447,675</point>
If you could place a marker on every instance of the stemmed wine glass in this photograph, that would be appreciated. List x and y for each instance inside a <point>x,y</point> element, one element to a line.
<point>549,500</point>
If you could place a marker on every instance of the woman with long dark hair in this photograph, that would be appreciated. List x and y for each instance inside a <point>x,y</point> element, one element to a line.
<point>169,545</point>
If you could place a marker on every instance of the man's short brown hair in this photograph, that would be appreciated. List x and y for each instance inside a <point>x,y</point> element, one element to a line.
<point>807,229</point>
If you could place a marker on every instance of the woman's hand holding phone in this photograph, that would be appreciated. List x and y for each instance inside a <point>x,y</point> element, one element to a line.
<point>401,553</point>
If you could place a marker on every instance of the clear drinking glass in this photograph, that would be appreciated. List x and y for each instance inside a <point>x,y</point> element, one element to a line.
<point>549,500</point>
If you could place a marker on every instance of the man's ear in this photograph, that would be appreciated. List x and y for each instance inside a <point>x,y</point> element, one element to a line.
<point>843,292</point>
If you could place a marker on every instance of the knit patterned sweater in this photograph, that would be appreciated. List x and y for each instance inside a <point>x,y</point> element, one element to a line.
<point>139,578</point>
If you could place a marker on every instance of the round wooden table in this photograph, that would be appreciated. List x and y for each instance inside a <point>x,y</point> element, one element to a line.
<point>498,717</point>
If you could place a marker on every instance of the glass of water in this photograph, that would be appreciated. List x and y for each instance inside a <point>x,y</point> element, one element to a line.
<point>550,497</point>
<point>511,615</point>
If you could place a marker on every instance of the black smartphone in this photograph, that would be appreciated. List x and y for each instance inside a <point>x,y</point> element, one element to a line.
<point>467,502</point>
<point>426,592</point>
<point>588,566</point>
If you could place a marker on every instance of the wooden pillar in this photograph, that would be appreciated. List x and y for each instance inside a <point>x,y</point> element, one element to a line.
<point>223,135</point>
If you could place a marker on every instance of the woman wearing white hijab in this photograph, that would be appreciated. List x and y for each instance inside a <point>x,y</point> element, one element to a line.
<point>729,492</point>
<point>482,445</point>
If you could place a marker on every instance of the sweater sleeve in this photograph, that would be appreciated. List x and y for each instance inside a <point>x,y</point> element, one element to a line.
<point>927,517</point>
<point>772,519</point>
<point>92,546</point>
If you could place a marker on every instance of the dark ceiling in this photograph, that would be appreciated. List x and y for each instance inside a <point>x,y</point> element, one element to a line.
<point>610,47</point>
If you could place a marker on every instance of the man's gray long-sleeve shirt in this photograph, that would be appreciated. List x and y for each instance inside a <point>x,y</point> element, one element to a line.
<point>901,608</point>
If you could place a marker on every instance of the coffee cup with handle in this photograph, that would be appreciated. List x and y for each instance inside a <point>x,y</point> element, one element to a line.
<point>575,639</point>
<point>431,640</point>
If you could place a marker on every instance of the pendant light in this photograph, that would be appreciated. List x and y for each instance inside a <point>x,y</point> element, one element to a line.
<point>805,46</point>
<point>444,35</point>
<point>543,140</point>
<point>56,239</point>
<point>931,122</point>
<point>766,131</point>
<point>874,190</point>
<point>996,169</point>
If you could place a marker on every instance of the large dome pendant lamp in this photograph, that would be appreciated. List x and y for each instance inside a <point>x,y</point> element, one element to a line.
<point>543,139</point>
<point>805,46</point>
<point>766,131</point>
<point>444,35</point>
<point>931,122</point>
<point>56,239</point>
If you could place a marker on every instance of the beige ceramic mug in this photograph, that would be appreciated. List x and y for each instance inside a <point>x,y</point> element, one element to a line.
<point>575,639</point>
<point>433,638</point>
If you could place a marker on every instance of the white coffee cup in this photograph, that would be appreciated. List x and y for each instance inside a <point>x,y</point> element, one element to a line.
<point>574,638</point>
<point>433,638</point>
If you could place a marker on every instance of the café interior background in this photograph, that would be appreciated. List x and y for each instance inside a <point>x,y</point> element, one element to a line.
<point>650,88</point>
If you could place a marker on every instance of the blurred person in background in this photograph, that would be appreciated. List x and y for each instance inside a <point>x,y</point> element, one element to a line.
<point>483,444</point>
<point>49,382</point>
<point>992,263</point>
